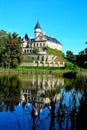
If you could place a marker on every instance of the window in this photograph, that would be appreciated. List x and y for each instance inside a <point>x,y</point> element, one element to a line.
<point>40,37</point>
<point>24,51</point>
<point>43,44</point>
<point>30,45</point>
<point>40,44</point>
<point>27,51</point>
<point>61,63</point>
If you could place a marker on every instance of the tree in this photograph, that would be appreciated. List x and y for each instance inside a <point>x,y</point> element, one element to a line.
<point>15,49</point>
<point>82,58</point>
<point>12,55</point>
<point>81,53</point>
<point>86,51</point>
<point>71,57</point>
<point>36,50</point>
<point>3,39</point>
<point>69,54</point>
<point>85,42</point>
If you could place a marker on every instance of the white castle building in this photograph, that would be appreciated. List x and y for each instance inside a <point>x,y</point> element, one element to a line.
<point>40,41</point>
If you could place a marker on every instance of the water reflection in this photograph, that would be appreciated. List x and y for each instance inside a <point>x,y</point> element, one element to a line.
<point>39,85</point>
<point>43,81</point>
<point>38,90</point>
<point>42,103</point>
<point>10,87</point>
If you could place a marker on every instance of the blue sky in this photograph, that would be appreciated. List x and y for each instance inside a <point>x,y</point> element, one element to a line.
<point>66,20</point>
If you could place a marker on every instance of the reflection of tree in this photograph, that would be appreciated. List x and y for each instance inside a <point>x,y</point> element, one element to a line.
<point>68,113</point>
<point>62,115</point>
<point>2,106</point>
<point>79,117</point>
<point>10,89</point>
<point>81,120</point>
<point>34,117</point>
<point>52,111</point>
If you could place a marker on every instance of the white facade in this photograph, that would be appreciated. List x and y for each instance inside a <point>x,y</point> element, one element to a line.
<point>40,41</point>
<point>54,45</point>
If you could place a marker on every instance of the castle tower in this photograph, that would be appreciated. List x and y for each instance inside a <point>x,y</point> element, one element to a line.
<point>37,29</point>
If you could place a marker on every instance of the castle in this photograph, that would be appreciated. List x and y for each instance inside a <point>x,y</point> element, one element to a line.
<point>40,41</point>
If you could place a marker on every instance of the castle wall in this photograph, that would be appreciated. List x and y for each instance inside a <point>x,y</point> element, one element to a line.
<point>46,64</point>
<point>54,45</point>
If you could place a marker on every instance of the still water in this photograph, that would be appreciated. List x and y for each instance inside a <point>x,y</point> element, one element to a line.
<point>42,102</point>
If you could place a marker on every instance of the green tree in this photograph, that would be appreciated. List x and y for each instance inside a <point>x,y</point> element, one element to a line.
<point>3,39</point>
<point>71,57</point>
<point>14,49</point>
<point>86,51</point>
<point>82,58</point>
<point>12,55</point>
<point>36,50</point>
<point>69,54</point>
<point>81,53</point>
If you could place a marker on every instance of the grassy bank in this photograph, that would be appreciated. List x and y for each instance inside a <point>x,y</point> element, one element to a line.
<point>38,69</point>
<point>29,69</point>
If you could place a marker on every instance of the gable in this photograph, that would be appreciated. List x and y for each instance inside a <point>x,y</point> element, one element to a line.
<point>41,37</point>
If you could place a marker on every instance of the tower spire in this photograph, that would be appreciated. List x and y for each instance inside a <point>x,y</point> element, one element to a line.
<point>37,29</point>
<point>37,25</point>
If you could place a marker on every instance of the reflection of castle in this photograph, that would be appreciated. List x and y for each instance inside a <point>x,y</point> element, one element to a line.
<point>39,85</point>
<point>47,83</point>
<point>43,83</point>
<point>37,100</point>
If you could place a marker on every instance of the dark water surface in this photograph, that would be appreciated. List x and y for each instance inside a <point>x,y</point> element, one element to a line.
<point>42,102</point>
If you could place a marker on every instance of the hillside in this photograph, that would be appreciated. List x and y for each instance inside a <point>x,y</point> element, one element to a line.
<point>53,54</point>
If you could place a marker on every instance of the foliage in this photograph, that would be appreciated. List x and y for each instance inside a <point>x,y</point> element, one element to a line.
<point>70,56</point>
<point>10,50</point>
<point>36,50</point>
<point>53,51</point>
<point>3,38</point>
<point>10,90</point>
<point>39,68</point>
<point>77,60</point>
<point>69,65</point>
<point>82,59</point>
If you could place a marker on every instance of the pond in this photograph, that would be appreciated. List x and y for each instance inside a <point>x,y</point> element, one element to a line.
<point>42,102</point>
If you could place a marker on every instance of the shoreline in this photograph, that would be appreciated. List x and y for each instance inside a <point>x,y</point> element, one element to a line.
<point>41,70</point>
